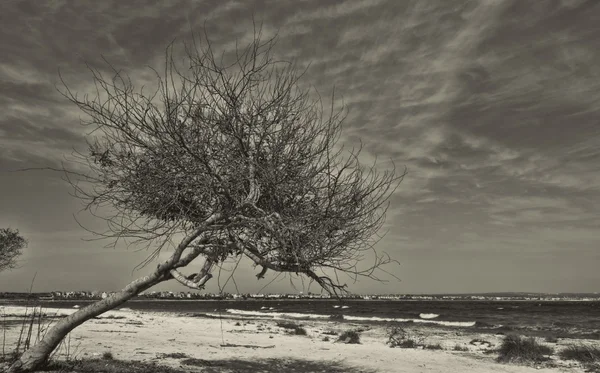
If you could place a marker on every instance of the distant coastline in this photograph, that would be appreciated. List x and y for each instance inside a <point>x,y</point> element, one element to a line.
<point>168,295</point>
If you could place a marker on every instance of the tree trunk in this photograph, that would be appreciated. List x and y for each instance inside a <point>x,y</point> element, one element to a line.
<point>38,355</point>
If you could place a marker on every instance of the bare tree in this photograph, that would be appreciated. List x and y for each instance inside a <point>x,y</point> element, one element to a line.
<point>11,246</point>
<point>234,158</point>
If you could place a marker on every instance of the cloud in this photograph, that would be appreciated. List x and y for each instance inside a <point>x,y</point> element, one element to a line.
<point>491,105</point>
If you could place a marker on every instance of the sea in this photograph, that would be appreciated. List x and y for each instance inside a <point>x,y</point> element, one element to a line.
<point>574,319</point>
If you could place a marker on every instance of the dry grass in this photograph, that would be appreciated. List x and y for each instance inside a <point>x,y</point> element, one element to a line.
<point>518,349</point>
<point>350,337</point>
<point>292,328</point>
<point>588,356</point>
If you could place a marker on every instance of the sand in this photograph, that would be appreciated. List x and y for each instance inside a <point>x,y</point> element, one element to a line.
<point>261,345</point>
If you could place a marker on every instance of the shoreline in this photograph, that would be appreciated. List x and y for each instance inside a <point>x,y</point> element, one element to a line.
<point>133,335</point>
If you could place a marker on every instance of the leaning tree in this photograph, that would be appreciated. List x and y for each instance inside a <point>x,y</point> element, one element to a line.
<point>234,158</point>
<point>11,246</point>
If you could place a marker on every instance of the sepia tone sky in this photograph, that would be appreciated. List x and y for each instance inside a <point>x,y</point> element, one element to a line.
<point>492,105</point>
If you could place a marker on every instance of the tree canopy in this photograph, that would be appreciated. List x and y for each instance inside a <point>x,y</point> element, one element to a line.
<point>11,246</point>
<point>237,155</point>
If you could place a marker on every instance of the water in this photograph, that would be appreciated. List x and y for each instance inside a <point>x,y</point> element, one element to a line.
<point>555,316</point>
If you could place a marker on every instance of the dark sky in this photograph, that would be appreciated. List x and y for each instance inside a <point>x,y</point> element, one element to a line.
<point>492,105</point>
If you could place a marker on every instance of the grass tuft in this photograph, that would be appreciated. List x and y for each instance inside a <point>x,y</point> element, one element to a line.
<point>436,346</point>
<point>583,354</point>
<point>107,355</point>
<point>349,337</point>
<point>515,348</point>
<point>407,343</point>
<point>291,327</point>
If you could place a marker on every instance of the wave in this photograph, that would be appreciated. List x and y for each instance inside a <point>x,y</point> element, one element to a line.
<point>297,315</point>
<point>428,315</point>
<point>421,321</point>
<point>277,315</point>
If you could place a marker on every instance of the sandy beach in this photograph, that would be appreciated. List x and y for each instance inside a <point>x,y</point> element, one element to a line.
<point>238,345</point>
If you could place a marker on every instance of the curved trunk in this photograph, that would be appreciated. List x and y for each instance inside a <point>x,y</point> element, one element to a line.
<point>38,355</point>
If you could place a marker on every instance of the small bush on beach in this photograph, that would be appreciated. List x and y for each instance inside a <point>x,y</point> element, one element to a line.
<point>292,328</point>
<point>395,336</point>
<point>287,325</point>
<point>325,339</point>
<point>400,337</point>
<point>407,343</point>
<point>436,346</point>
<point>300,331</point>
<point>583,354</point>
<point>107,355</point>
<point>515,348</point>
<point>349,337</point>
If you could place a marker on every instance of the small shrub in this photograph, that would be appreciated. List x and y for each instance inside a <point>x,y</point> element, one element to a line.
<point>292,328</point>
<point>515,348</point>
<point>326,339</point>
<point>300,331</point>
<point>395,336</point>
<point>408,343</point>
<point>238,324</point>
<point>460,348</point>
<point>107,355</point>
<point>349,337</point>
<point>436,346</point>
<point>287,325</point>
<point>581,353</point>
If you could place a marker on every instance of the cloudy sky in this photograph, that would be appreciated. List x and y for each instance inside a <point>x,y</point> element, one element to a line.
<point>492,105</point>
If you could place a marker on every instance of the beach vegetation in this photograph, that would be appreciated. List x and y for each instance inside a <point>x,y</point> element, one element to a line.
<point>11,247</point>
<point>292,328</point>
<point>349,337</point>
<point>407,343</point>
<point>587,355</point>
<point>518,349</point>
